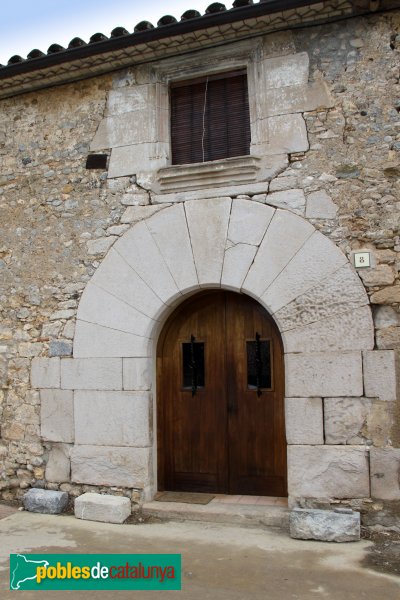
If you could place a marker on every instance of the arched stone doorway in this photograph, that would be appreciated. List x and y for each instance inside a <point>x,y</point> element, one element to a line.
<point>220,398</point>
<point>297,274</point>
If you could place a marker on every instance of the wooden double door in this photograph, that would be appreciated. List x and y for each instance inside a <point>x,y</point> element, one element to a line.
<point>220,407</point>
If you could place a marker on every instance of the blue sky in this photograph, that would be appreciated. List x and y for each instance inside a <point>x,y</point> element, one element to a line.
<point>28,24</point>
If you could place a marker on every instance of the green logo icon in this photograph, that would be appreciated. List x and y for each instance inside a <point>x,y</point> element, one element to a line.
<point>95,572</point>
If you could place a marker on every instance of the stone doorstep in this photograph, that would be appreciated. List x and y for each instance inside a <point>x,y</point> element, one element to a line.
<point>230,514</point>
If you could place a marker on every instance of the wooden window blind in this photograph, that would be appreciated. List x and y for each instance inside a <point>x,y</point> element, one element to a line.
<point>210,118</point>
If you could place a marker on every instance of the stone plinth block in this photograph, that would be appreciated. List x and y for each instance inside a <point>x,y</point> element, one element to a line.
<point>99,507</point>
<point>304,421</point>
<point>91,374</point>
<point>57,415</point>
<point>380,374</point>
<point>45,373</point>
<point>323,374</point>
<point>328,471</point>
<point>325,525</point>
<point>112,418</point>
<point>106,465</point>
<point>385,473</point>
<point>45,501</point>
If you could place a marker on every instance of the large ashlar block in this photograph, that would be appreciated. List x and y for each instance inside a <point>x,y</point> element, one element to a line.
<point>208,227</point>
<point>129,160</point>
<point>341,525</point>
<point>45,373</point>
<point>132,98</point>
<point>136,126</point>
<point>102,507</point>
<point>278,44</point>
<point>380,374</point>
<point>385,473</point>
<point>57,415</point>
<point>112,418</point>
<point>293,200</point>
<point>118,278</point>
<point>170,232</point>
<point>101,307</point>
<point>273,256</point>
<point>286,134</point>
<point>294,99</point>
<point>140,251</point>
<point>315,260</point>
<point>137,374</point>
<point>323,374</point>
<point>304,421</point>
<point>336,294</point>
<point>58,467</point>
<point>106,465</point>
<point>91,374</point>
<point>346,420</point>
<point>328,472</point>
<point>92,341</point>
<point>349,331</point>
<point>288,70</point>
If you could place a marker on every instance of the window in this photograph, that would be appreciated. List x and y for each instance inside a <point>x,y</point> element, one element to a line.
<point>210,118</point>
<point>259,373</point>
<point>193,365</point>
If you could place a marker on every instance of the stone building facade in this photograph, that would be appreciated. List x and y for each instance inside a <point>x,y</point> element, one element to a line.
<point>93,262</point>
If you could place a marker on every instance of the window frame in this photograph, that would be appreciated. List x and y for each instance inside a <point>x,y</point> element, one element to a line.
<point>245,120</point>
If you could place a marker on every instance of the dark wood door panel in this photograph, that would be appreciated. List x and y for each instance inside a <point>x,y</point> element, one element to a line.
<point>228,436</point>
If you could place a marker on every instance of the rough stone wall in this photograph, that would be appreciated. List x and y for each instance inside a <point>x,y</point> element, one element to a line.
<point>58,220</point>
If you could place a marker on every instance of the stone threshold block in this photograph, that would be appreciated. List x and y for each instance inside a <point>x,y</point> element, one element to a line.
<point>101,507</point>
<point>340,525</point>
<point>48,502</point>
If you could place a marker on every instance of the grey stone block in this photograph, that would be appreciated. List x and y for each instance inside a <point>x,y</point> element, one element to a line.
<point>58,348</point>
<point>100,507</point>
<point>341,525</point>
<point>45,501</point>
